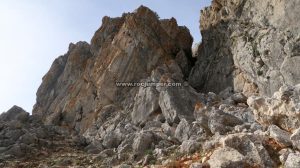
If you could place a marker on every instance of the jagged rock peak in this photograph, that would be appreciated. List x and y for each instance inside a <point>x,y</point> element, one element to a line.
<point>13,113</point>
<point>81,83</point>
<point>90,121</point>
<point>111,26</point>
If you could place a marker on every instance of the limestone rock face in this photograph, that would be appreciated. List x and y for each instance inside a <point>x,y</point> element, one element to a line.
<point>178,102</point>
<point>252,47</point>
<point>282,109</point>
<point>125,49</point>
<point>146,104</point>
<point>136,97</point>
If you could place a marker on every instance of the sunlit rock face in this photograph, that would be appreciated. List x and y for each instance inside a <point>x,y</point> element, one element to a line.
<point>221,114</point>
<point>282,109</point>
<point>249,46</point>
<point>125,49</point>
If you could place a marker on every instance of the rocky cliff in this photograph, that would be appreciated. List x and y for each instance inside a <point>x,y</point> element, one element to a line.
<point>249,46</point>
<point>136,96</point>
<point>82,83</point>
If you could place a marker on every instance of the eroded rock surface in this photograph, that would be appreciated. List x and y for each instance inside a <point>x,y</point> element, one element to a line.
<point>250,46</point>
<point>126,49</point>
<point>26,137</point>
<point>210,116</point>
<point>281,109</point>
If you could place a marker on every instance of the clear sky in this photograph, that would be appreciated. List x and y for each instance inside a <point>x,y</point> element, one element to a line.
<point>34,32</point>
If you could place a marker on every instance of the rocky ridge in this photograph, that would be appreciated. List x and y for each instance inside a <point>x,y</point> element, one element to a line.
<point>82,118</point>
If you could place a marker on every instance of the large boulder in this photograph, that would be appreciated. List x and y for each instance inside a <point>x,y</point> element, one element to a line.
<point>189,146</point>
<point>178,102</point>
<point>215,121</point>
<point>252,148</point>
<point>283,109</point>
<point>226,158</point>
<point>292,161</point>
<point>221,122</point>
<point>145,105</point>
<point>281,136</point>
<point>142,142</point>
<point>295,138</point>
<point>183,130</point>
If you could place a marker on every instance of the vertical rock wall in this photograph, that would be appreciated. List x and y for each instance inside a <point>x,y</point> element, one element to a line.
<point>249,46</point>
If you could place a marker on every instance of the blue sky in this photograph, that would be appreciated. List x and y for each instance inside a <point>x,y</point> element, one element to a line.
<point>34,32</point>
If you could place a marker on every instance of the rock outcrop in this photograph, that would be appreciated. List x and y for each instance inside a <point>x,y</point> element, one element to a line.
<point>249,46</point>
<point>25,137</point>
<point>82,82</point>
<point>282,109</point>
<point>135,96</point>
